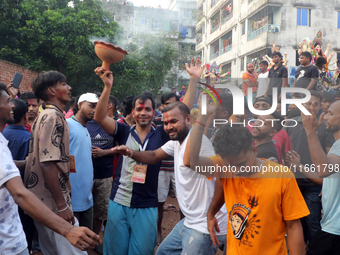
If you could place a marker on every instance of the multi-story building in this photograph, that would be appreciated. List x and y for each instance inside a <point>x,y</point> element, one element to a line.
<point>179,18</point>
<point>136,20</point>
<point>235,32</point>
<point>186,11</point>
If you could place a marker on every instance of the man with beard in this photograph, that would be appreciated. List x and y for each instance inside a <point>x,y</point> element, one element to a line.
<point>327,239</point>
<point>249,79</point>
<point>263,131</point>
<point>81,175</point>
<point>166,171</point>
<point>33,109</point>
<point>310,188</point>
<point>193,192</point>
<point>133,204</point>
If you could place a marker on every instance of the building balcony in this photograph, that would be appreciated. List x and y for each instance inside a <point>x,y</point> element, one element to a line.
<point>212,30</point>
<point>215,55</point>
<point>226,49</point>
<point>266,28</point>
<point>226,18</point>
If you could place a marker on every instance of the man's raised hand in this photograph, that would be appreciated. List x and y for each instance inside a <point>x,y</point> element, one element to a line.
<point>310,122</point>
<point>105,75</point>
<point>195,71</point>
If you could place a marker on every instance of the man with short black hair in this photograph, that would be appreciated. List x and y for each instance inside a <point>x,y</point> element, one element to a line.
<point>327,239</point>
<point>33,109</point>
<point>48,163</point>
<point>263,131</point>
<point>280,139</point>
<point>166,171</point>
<point>13,193</point>
<point>277,76</point>
<point>182,92</point>
<point>306,74</point>
<point>262,79</point>
<point>328,98</point>
<point>190,235</point>
<point>16,134</point>
<point>310,188</point>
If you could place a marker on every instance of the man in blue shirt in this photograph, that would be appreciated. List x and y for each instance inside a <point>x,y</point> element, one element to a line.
<point>132,217</point>
<point>16,133</point>
<point>326,240</point>
<point>81,152</point>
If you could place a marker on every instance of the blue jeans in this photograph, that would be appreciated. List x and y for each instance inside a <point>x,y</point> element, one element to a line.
<point>183,240</point>
<point>130,231</point>
<point>311,223</point>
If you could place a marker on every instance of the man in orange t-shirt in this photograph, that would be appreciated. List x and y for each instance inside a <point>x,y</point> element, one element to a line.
<point>249,79</point>
<point>262,197</point>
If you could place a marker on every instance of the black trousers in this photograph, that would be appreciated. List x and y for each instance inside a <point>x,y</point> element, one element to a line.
<point>324,244</point>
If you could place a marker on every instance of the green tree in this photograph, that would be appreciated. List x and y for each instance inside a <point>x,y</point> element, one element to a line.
<point>51,35</point>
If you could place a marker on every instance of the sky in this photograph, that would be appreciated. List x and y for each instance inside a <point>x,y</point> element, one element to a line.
<point>154,3</point>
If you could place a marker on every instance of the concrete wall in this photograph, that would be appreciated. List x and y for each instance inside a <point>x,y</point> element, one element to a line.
<point>8,70</point>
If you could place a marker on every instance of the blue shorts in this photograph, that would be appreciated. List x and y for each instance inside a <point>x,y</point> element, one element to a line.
<point>130,231</point>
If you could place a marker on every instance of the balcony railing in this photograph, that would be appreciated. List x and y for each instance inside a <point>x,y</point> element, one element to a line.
<point>214,29</point>
<point>199,40</point>
<point>215,55</point>
<point>226,49</point>
<point>226,18</point>
<point>266,28</point>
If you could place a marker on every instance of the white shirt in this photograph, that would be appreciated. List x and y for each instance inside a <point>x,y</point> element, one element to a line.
<point>194,191</point>
<point>12,236</point>
<point>263,84</point>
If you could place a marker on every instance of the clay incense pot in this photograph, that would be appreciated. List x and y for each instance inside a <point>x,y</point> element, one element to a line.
<point>109,53</point>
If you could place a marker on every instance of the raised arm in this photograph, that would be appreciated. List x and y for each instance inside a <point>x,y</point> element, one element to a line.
<point>293,160</point>
<point>144,157</point>
<point>323,163</point>
<point>195,71</point>
<point>191,156</point>
<point>106,123</point>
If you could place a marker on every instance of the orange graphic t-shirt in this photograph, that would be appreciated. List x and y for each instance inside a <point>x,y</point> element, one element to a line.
<point>258,209</point>
<point>252,79</point>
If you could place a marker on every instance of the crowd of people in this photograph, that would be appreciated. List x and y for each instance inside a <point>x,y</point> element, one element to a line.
<point>254,188</point>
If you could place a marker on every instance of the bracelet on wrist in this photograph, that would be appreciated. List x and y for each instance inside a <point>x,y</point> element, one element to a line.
<point>59,211</point>
<point>200,123</point>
